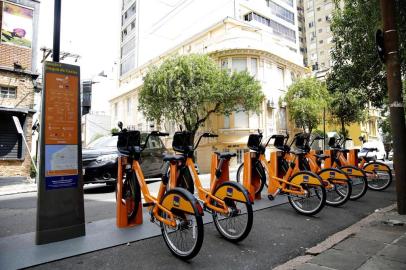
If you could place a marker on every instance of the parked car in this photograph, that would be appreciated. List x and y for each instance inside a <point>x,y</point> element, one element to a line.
<point>390,155</point>
<point>377,153</point>
<point>99,159</point>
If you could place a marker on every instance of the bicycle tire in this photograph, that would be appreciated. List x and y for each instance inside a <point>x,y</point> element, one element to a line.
<point>190,226</point>
<point>341,187</point>
<point>240,175</point>
<point>359,183</point>
<point>387,172</point>
<point>184,180</point>
<point>131,194</point>
<point>320,194</point>
<point>239,211</point>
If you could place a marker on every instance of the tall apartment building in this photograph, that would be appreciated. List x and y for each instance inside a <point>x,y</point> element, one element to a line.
<point>18,47</point>
<point>318,14</point>
<point>260,36</point>
<point>302,31</point>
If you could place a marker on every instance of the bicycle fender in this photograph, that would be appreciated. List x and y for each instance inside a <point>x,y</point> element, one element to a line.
<point>305,178</point>
<point>331,173</point>
<point>233,191</point>
<point>376,166</point>
<point>175,200</point>
<point>352,171</point>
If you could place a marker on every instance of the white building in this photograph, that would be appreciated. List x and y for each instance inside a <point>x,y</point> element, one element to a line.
<point>259,36</point>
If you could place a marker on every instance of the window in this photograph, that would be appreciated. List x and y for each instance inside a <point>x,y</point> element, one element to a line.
<point>280,78</point>
<point>129,13</point>
<point>282,120</point>
<point>224,63</point>
<point>311,24</point>
<point>318,9</point>
<point>309,4</point>
<point>328,18</point>
<point>277,28</point>
<point>240,118</point>
<point>319,19</point>
<point>239,64</point>
<point>226,121</point>
<point>8,92</point>
<point>128,47</point>
<point>128,64</point>
<point>128,105</point>
<point>281,12</point>
<point>240,155</point>
<point>321,41</point>
<point>115,110</point>
<point>288,2</point>
<point>254,66</point>
<point>300,29</point>
<point>320,30</point>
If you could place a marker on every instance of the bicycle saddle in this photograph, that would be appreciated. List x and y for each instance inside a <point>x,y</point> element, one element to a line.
<point>169,157</point>
<point>225,155</point>
<point>321,156</point>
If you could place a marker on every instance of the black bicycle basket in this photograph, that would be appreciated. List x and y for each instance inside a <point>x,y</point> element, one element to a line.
<point>279,141</point>
<point>182,141</point>
<point>332,142</point>
<point>128,139</point>
<point>254,141</point>
<point>301,141</point>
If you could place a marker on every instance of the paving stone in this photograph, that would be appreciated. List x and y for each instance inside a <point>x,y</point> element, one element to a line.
<point>380,263</point>
<point>360,246</point>
<point>339,259</point>
<point>383,235</point>
<point>311,266</point>
<point>394,253</point>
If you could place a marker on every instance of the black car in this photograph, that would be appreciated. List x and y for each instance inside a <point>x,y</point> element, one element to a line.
<point>99,159</point>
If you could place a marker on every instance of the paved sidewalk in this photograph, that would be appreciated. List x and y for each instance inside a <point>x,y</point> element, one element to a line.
<point>374,243</point>
<point>14,185</point>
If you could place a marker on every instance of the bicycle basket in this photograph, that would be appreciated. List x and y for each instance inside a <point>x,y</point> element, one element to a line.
<point>182,141</point>
<point>128,139</point>
<point>254,141</point>
<point>279,141</point>
<point>332,142</point>
<point>301,141</point>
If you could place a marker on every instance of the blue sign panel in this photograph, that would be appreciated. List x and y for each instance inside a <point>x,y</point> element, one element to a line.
<point>65,181</point>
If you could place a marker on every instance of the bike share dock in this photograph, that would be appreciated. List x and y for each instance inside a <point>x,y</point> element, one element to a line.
<point>19,251</point>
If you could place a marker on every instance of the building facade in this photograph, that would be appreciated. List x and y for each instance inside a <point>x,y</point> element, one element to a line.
<point>258,36</point>
<point>18,21</point>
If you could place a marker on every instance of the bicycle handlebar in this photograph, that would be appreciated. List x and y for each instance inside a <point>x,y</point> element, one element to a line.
<point>204,135</point>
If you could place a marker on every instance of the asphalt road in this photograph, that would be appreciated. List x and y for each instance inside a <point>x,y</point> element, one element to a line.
<point>278,234</point>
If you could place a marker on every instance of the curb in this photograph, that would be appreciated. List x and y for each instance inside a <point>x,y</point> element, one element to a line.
<point>334,239</point>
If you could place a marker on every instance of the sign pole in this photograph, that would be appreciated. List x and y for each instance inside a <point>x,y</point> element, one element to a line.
<point>57,31</point>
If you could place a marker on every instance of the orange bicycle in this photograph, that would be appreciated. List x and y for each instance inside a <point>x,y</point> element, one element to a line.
<point>228,202</point>
<point>179,214</point>
<point>305,190</point>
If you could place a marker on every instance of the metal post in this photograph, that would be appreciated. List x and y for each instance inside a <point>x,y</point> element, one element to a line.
<point>396,105</point>
<point>57,31</point>
<point>324,129</point>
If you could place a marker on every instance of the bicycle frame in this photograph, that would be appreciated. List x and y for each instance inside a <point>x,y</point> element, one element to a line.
<point>204,195</point>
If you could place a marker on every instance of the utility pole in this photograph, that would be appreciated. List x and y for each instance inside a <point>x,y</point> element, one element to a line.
<point>57,31</point>
<point>396,105</point>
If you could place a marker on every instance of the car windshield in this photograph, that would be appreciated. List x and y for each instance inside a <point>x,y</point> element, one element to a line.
<point>106,141</point>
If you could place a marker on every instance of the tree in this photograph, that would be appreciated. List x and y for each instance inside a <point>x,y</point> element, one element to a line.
<point>306,98</point>
<point>347,108</point>
<point>188,89</point>
<point>356,62</point>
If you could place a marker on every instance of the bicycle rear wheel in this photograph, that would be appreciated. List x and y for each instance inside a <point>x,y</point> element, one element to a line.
<point>379,175</point>
<point>259,170</point>
<point>358,181</point>
<point>131,194</point>
<point>315,198</point>
<point>235,225</point>
<point>339,188</point>
<point>184,240</point>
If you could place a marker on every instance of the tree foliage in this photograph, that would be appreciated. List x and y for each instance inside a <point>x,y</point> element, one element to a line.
<point>188,89</point>
<point>347,108</point>
<point>306,98</point>
<point>356,63</point>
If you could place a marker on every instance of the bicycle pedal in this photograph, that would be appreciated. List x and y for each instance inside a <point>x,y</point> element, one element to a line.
<point>271,197</point>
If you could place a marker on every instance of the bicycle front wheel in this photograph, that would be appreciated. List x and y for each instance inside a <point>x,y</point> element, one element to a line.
<point>339,187</point>
<point>358,181</point>
<point>314,198</point>
<point>259,170</point>
<point>379,175</point>
<point>186,238</point>
<point>237,223</point>
<point>131,194</point>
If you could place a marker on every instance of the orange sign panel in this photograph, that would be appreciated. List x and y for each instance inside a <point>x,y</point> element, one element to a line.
<point>62,109</point>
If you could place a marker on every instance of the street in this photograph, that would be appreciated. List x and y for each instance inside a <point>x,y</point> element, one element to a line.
<point>278,234</point>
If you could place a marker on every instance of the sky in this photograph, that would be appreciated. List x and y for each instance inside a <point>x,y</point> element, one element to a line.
<point>90,28</point>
